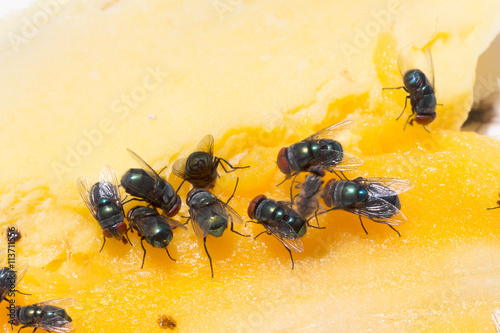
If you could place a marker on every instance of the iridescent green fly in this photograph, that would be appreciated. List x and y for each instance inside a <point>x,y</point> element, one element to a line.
<point>200,167</point>
<point>48,316</point>
<point>147,185</point>
<point>373,198</point>
<point>211,216</point>
<point>320,149</point>
<point>419,84</point>
<point>280,220</point>
<point>104,203</point>
<point>152,227</point>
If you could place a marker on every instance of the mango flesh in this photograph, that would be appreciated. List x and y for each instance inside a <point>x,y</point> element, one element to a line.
<point>94,78</point>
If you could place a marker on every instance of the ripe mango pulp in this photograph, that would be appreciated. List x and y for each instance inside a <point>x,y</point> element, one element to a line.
<point>79,88</point>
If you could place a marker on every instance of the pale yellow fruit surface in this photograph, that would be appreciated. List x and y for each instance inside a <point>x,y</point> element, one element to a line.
<point>83,80</point>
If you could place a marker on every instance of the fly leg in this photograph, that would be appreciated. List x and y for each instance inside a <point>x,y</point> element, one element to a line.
<point>166,249</point>
<point>291,187</point>
<point>234,191</point>
<point>220,160</point>
<point>384,222</point>
<point>144,255</point>
<point>360,220</point>
<point>180,186</point>
<point>236,232</point>
<point>104,242</point>
<point>133,199</point>
<point>286,178</point>
<point>291,256</point>
<point>208,255</point>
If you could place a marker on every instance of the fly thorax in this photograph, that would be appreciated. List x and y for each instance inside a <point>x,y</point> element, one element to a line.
<point>299,156</point>
<point>414,79</point>
<point>107,211</point>
<point>266,210</point>
<point>29,314</point>
<point>201,198</point>
<point>351,193</point>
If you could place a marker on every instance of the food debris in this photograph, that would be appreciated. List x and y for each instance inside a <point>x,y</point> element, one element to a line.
<point>166,322</point>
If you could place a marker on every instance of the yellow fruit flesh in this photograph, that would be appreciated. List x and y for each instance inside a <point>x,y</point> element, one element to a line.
<point>258,77</point>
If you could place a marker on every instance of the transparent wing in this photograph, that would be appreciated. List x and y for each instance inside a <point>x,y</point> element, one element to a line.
<point>286,235</point>
<point>84,187</point>
<point>21,269</point>
<point>108,185</point>
<point>382,187</point>
<point>60,302</point>
<point>416,59</point>
<point>206,145</point>
<point>179,168</point>
<point>430,65</point>
<point>379,210</point>
<point>331,131</point>
<point>200,227</point>
<point>233,215</point>
<point>349,162</point>
<point>173,223</point>
<point>495,316</point>
<point>146,167</point>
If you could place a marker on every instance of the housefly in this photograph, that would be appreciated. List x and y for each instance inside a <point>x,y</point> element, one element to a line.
<point>147,185</point>
<point>200,167</point>
<point>49,316</point>
<point>319,150</point>
<point>419,84</point>
<point>104,202</point>
<point>211,216</point>
<point>373,198</point>
<point>152,227</point>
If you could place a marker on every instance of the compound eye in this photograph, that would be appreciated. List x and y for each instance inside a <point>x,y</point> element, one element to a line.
<point>282,161</point>
<point>425,119</point>
<point>253,204</point>
<point>174,210</point>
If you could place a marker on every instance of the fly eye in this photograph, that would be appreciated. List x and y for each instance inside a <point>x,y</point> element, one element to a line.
<point>282,161</point>
<point>253,205</point>
<point>425,119</point>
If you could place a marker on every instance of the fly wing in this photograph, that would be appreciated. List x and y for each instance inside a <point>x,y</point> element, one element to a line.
<point>495,316</point>
<point>412,58</point>
<point>383,187</point>
<point>84,187</point>
<point>179,168</point>
<point>332,131</point>
<point>286,235</point>
<point>173,223</point>
<point>198,217</point>
<point>349,162</point>
<point>21,271</point>
<point>206,145</point>
<point>108,185</point>
<point>146,167</point>
<point>379,210</point>
<point>232,214</point>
